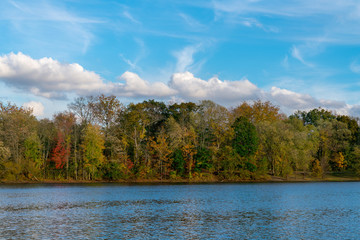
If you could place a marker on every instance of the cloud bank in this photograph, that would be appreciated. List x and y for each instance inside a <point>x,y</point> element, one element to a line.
<point>51,79</point>
<point>190,87</point>
<point>47,77</point>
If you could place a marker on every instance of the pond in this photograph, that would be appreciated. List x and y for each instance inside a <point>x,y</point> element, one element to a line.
<point>183,211</point>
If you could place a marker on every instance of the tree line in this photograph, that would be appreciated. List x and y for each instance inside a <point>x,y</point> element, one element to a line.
<point>98,138</point>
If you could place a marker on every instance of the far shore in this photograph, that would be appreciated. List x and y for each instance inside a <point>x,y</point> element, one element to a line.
<point>269,179</point>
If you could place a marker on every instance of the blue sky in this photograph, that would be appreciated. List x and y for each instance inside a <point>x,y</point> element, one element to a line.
<point>297,54</point>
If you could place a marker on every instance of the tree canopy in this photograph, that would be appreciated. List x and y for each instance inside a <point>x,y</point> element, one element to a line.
<point>100,138</point>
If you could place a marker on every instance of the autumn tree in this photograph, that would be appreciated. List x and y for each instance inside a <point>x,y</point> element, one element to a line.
<point>306,141</point>
<point>276,144</point>
<point>47,133</point>
<point>84,109</point>
<point>258,111</point>
<point>161,152</point>
<point>60,154</point>
<point>16,124</point>
<point>212,124</point>
<point>65,122</point>
<point>106,109</point>
<point>4,156</point>
<point>133,123</point>
<point>92,149</point>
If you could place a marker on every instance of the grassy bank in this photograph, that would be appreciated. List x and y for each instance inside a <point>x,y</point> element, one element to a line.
<point>331,177</point>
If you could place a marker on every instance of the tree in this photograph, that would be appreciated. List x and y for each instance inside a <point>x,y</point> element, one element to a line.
<point>133,123</point>
<point>189,149</point>
<point>84,108</point>
<point>245,140</point>
<point>4,152</point>
<point>106,109</point>
<point>157,113</point>
<point>65,122</point>
<point>16,124</point>
<point>334,138</point>
<point>213,123</point>
<point>258,112</point>
<point>313,116</point>
<point>161,152</point>
<point>183,112</point>
<point>306,142</point>
<point>47,134</point>
<point>4,156</point>
<point>92,149</point>
<point>32,154</point>
<point>353,126</point>
<point>276,145</point>
<point>339,161</point>
<point>60,154</point>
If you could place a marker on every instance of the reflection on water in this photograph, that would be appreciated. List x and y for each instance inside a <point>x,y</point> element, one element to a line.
<point>214,211</point>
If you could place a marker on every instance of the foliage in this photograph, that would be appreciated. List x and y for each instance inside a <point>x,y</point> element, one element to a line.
<point>245,140</point>
<point>92,149</point>
<point>60,153</point>
<point>100,138</point>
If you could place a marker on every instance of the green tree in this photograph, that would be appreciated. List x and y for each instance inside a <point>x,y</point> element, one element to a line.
<point>245,140</point>
<point>276,144</point>
<point>32,154</point>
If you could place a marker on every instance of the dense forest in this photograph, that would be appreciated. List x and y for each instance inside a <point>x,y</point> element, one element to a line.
<point>98,138</point>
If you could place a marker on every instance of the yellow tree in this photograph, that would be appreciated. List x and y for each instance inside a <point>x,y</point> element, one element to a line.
<point>258,112</point>
<point>92,149</point>
<point>339,160</point>
<point>161,151</point>
<point>189,148</point>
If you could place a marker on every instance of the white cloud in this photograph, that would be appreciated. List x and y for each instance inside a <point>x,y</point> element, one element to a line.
<point>47,77</point>
<point>136,87</point>
<point>190,87</point>
<point>51,79</point>
<point>37,108</point>
<point>185,57</point>
<point>290,101</point>
<point>293,100</point>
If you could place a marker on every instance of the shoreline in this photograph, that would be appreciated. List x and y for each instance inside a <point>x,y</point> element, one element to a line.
<point>183,181</point>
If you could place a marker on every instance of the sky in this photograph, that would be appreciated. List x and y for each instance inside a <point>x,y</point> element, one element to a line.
<point>297,54</point>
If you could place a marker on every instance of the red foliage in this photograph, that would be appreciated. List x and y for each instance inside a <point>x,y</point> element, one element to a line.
<point>129,164</point>
<point>60,154</point>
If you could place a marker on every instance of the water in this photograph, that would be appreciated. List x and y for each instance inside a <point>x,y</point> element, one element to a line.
<point>208,211</point>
